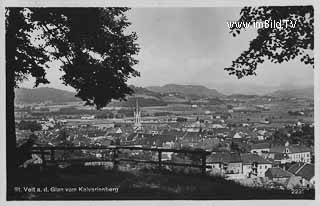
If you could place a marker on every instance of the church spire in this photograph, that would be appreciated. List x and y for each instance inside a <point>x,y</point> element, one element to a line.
<point>137,118</point>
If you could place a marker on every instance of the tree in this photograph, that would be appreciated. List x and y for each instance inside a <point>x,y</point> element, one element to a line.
<point>234,147</point>
<point>96,52</point>
<point>64,141</point>
<point>294,40</point>
<point>29,125</point>
<point>181,119</point>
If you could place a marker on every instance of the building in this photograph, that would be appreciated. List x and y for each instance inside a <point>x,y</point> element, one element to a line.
<point>284,178</point>
<point>102,126</point>
<point>278,175</point>
<point>306,172</point>
<point>260,148</point>
<point>87,117</point>
<point>194,127</point>
<point>254,165</point>
<point>224,163</point>
<point>293,153</point>
<point>137,119</point>
<point>237,135</point>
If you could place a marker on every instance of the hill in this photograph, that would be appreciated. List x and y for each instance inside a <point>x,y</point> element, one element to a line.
<point>57,96</point>
<point>140,91</point>
<point>294,93</point>
<point>144,101</point>
<point>43,94</point>
<point>187,90</point>
<point>145,97</point>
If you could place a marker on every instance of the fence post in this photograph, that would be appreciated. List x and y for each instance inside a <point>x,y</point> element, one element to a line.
<point>203,165</point>
<point>43,158</point>
<point>52,155</point>
<point>114,158</point>
<point>159,159</point>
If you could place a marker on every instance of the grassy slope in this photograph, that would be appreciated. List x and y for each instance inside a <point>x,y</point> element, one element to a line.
<point>141,185</point>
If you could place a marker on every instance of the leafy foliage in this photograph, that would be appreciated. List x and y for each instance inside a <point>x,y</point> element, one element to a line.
<point>29,125</point>
<point>22,57</point>
<point>275,44</point>
<point>95,50</point>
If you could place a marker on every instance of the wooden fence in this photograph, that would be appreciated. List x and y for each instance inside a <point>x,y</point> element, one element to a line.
<point>115,159</point>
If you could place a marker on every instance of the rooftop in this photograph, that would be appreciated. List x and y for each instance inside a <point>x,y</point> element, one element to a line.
<point>292,149</point>
<point>252,158</point>
<point>224,157</point>
<point>264,145</point>
<point>302,169</point>
<point>276,172</point>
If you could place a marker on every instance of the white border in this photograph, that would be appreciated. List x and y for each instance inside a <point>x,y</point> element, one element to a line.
<point>154,3</point>
<point>163,3</point>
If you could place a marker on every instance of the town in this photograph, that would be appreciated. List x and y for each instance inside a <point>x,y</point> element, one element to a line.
<point>258,141</point>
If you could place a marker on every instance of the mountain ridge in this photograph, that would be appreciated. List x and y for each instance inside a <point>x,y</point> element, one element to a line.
<point>43,94</point>
<point>189,90</point>
<point>305,92</point>
<point>167,93</point>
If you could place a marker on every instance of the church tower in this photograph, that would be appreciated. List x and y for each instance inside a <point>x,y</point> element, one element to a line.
<point>137,118</point>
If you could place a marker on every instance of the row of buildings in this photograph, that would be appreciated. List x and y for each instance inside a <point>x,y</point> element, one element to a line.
<point>246,167</point>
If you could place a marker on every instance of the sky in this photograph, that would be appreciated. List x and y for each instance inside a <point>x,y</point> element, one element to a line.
<point>193,46</point>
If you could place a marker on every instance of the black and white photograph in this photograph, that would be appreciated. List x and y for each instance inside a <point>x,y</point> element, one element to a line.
<point>160,102</point>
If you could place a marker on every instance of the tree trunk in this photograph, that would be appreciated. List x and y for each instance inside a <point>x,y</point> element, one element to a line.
<point>11,150</point>
<point>11,133</point>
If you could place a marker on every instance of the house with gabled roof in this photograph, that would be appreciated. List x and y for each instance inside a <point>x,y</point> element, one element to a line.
<point>306,172</point>
<point>293,153</point>
<point>277,174</point>
<point>237,135</point>
<point>174,133</point>
<point>254,165</point>
<point>224,163</point>
<point>283,177</point>
<point>116,130</point>
<point>260,148</point>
